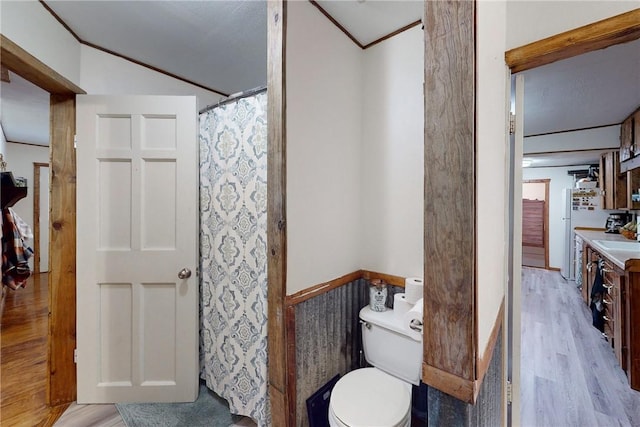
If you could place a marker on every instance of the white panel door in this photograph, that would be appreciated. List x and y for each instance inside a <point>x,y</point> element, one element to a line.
<point>137,224</point>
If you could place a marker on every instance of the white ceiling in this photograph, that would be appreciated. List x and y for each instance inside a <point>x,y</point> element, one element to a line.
<point>24,111</point>
<point>594,89</point>
<point>222,45</point>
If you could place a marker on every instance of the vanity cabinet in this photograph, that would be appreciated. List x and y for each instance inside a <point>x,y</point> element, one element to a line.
<point>614,299</point>
<point>621,279</point>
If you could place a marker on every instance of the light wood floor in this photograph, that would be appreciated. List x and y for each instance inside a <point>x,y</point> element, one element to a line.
<point>23,352</point>
<point>569,373</point>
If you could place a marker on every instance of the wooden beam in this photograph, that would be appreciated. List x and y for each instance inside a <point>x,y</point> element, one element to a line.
<point>36,215</point>
<point>62,252</point>
<point>598,35</point>
<point>450,211</point>
<point>4,74</point>
<point>277,212</point>
<point>32,69</point>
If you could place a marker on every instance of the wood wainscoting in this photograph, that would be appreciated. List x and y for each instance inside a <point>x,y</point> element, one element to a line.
<point>323,334</point>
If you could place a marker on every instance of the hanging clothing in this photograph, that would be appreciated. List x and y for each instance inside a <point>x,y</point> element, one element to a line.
<point>15,252</point>
<point>597,294</point>
<point>233,254</point>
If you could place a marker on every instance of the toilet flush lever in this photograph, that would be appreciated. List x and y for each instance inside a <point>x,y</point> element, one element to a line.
<point>416,325</point>
<point>366,324</point>
<point>185,273</point>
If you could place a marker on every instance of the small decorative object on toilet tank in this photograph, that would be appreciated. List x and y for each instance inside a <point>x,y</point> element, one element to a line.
<point>378,295</point>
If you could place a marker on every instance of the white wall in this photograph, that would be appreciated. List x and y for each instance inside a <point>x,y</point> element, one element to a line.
<point>20,159</point>
<point>3,140</point>
<point>28,24</point>
<point>324,93</point>
<point>491,161</point>
<point>534,190</point>
<point>532,20</point>
<point>607,137</point>
<point>393,156</point>
<point>102,73</point>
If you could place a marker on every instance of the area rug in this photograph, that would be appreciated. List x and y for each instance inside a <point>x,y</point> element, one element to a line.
<point>208,410</point>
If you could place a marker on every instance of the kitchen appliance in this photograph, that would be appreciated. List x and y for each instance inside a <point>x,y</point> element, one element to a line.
<point>581,209</point>
<point>615,220</point>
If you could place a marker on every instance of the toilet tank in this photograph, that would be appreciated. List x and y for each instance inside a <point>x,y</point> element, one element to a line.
<point>390,346</point>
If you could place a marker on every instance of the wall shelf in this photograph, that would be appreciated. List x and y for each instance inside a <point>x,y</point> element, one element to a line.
<point>12,189</point>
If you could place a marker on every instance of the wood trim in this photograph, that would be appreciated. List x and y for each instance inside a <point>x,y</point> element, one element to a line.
<point>277,212</point>
<point>31,144</point>
<point>319,289</point>
<point>461,388</point>
<point>583,150</point>
<point>572,130</point>
<point>4,74</point>
<point>546,223</point>
<point>64,24</point>
<point>290,319</point>
<point>598,35</point>
<point>450,354</point>
<point>152,68</point>
<point>388,278</point>
<point>553,269</point>
<point>484,360</point>
<point>336,23</point>
<point>32,69</point>
<point>36,215</point>
<point>352,37</point>
<point>62,252</point>
<point>589,228</point>
<point>546,183</point>
<point>135,61</point>
<point>394,33</point>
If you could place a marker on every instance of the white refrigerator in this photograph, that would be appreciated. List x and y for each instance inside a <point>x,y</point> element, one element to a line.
<point>581,209</point>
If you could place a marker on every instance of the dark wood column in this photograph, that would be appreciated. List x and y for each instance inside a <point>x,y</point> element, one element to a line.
<point>450,198</point>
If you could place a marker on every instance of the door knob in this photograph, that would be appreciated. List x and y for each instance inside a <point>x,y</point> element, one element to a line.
<point>185,273</point>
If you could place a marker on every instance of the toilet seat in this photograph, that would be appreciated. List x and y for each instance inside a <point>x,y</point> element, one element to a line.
<point>369,397</point>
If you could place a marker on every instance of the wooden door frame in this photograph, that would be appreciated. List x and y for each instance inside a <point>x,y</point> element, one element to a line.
<point>61,384</point>
<point>594,36</point>
<point>36,215</point>
<point>546,182</point>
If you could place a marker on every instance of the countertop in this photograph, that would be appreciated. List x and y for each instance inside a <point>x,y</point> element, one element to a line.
<point>618,257</point>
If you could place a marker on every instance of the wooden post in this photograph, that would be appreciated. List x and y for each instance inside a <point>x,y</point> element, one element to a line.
<point>276,212</point>
<point>62,252</point>
<point>449,227</point>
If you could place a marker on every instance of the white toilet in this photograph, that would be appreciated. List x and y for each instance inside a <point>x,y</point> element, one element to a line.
<point>379,396</point>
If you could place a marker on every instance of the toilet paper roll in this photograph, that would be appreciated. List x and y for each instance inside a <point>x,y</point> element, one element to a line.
<point>400,305</point>
<point>413,289</point>
<point>413,320</point>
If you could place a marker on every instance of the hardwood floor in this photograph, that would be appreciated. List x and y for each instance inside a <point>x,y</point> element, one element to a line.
<point>569,373</point>
<point>533,256</point>
<point>23,357</point>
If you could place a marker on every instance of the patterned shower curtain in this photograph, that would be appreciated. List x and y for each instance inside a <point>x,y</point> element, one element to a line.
<point>233,254</point>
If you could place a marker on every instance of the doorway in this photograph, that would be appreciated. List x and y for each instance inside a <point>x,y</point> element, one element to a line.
<point>535,223</point>
<point>599,35</point>
<point>61,283</point>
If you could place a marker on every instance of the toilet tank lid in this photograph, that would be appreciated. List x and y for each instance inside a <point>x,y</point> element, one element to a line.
<point>388,320</point>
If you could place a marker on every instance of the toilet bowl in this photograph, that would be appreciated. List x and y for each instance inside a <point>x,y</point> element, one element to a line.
<point>368,397</point>
<point>380,396</point>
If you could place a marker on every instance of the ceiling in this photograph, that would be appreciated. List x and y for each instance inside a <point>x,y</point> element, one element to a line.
<point>221,45</point>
